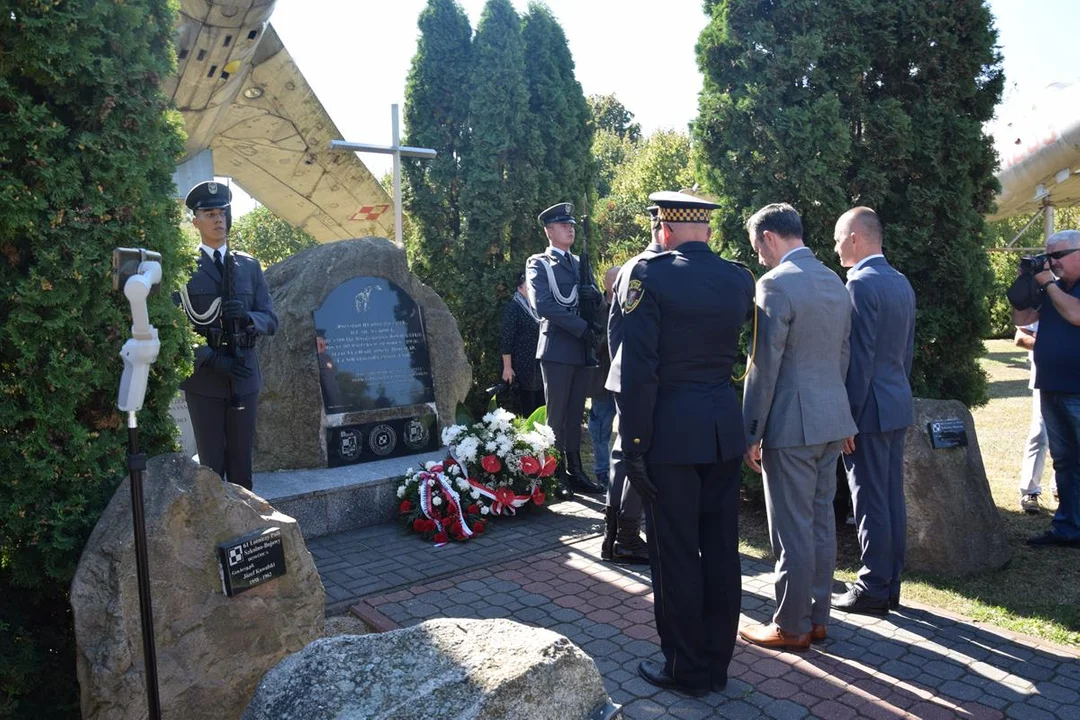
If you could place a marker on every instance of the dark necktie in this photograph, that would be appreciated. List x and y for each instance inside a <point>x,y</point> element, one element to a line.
<point>218,264</point>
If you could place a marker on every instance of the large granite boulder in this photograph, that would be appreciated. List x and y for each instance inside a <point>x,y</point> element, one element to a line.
<point>291,430</point>
<point>448,668</point>
<point>953,527</point>
<point>212,650</point>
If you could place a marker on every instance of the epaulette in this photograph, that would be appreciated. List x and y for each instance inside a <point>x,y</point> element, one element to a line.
<point>241,253</point>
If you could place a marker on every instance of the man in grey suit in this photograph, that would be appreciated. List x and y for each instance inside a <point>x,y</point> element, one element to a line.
<point>882,343</point>
<point>797,417</point>
<point>552,278</point>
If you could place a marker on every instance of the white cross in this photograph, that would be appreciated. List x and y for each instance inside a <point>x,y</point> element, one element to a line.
<point>397,151</point>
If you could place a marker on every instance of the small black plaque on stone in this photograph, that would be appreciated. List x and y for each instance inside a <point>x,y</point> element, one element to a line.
<point>251,560</point>
<point>947,433</point>
<point>351,444</point>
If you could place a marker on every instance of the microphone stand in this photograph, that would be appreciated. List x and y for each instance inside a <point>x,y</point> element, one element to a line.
<point>139,353</point>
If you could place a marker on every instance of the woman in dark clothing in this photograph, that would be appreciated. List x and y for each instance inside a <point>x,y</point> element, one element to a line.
<point>520,334</point>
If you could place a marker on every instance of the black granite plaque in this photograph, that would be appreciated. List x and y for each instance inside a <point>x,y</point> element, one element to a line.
<point>351,444</point>
<point>251,560</point>
<point>371,347</point>
<point>947,433</point>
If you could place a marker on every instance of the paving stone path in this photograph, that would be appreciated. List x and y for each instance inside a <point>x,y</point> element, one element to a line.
<point>544,569</point>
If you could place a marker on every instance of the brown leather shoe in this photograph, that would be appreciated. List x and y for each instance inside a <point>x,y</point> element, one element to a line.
<point>771,636</point>
<point>818,633</point>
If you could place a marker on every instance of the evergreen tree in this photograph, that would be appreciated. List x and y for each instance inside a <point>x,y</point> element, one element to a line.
<point>436,116</point>
<point>500,183</point>
<point>561,134</point>
<point>266,236</point>
<point>870,102</point>
<point>87,148</point>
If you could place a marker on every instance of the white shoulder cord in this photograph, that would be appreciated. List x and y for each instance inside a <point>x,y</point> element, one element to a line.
<point>564,300</point>
<point>205,318</point>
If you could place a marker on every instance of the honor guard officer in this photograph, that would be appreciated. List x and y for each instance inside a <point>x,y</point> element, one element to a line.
<point>681,429</point>
<point>554,290</point>
<point>229,304</point>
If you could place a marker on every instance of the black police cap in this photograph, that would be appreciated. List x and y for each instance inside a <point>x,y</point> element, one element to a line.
<point>560,213</point>
<point>208,195</point>
<point>681,207</point>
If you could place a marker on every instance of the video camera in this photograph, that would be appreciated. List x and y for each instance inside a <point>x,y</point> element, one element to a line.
<point>1025,293</point>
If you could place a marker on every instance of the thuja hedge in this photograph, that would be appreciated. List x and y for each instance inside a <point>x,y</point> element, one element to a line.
<point>87,148</point>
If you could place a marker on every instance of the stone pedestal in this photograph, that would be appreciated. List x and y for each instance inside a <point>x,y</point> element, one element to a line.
<point>954,527</point>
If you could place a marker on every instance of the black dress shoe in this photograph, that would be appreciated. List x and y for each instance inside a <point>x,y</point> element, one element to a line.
<point>894,602</point>
<point>564,491</point>
<point>582,483</point>
<point>719,684</point>
<point>654,674</point>
<point>1049,538</point>
<point>855,601</point>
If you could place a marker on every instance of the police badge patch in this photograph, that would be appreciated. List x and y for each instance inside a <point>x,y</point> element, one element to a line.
<point>634,293</point>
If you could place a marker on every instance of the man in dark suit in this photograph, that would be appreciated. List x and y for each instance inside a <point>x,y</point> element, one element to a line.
<point>797,416</point>
<point>882,343</point>
<point>555,292</point>
<point>229,304</point>
<point>680,313</point>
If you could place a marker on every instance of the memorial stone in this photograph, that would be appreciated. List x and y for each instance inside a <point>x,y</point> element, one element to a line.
<point>953,525</point>
<point>367,362</point>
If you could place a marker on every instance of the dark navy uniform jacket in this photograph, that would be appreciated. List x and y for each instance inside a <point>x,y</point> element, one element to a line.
<point>561,327</point>
<point>674,335</point>
<point>250,289</point>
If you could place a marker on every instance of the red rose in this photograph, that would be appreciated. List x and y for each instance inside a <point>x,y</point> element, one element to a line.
<point>449,462</point>
<point>441,538</point>
<point>538,496</point>
<point>491,464</point>
<point>430,526</point>
<point>530,465</point>
<point>472,510</point>
<point>455,528</point>
<point>549,467</point>
<point>460,536</point>
<point>419,525</point>
<point>478,528</point>
<point>406,506</point>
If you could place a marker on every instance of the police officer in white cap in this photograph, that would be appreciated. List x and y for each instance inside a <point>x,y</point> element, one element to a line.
<point>229,304</point>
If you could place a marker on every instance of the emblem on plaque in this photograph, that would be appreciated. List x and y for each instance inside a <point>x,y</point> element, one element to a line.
<point>415,435</point>
<point>349,445</point>
<point>382,440</point>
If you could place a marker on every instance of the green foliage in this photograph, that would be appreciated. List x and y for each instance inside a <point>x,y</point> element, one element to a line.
<point>609,152</point>
<point>610,115</point>
<point>266,236</point>
<point>87,148</point>
<point>511,127</point>
<point>864,102</point>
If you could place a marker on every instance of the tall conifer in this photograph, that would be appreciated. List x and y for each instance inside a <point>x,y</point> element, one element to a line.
<point>869,102</point>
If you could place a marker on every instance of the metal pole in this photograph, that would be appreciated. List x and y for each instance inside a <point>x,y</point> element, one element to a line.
<point>136,465</point>
<point>1048,218</point>
<point>397,174</point>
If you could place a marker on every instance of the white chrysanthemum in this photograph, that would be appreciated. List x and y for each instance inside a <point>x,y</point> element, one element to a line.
<point>401,491</point>
<point>467,449</point>
<point>491,445</point>
<point>431,482</point>
<point>450,434</point>
<point>436,500</point>
<point>454,470</point>
<point>513,464</point>
<point>475,494</point>
<point>463,484</point>
<point>485,510</point>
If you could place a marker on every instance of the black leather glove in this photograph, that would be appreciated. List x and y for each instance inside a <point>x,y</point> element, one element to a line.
<point>225,364</point>
<point>588,294</point>
<point>638,477</point>
<point>234,310</point>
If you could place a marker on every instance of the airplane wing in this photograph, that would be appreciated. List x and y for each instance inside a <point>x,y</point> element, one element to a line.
<point>274,140</point>
<point>1039,148</point>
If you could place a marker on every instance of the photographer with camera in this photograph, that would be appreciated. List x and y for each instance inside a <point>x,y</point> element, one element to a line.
<point>1047,290</point>
<point>228,302</point>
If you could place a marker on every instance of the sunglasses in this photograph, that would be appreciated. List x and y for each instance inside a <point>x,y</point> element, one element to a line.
<point>1061,253</point>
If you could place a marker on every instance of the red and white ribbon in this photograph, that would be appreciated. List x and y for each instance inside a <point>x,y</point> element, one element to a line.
<point>427,507</point>
<point>503,500</point>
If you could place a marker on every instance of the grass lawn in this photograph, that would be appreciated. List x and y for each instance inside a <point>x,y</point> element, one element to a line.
<point>1038,591</point>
